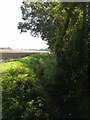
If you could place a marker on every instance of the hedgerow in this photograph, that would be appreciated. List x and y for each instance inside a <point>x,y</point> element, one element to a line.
<point>22,94</point>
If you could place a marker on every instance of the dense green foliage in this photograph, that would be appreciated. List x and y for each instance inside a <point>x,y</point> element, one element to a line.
<point>66,28</point>
<point>22,92</point>
<point>30,90</point>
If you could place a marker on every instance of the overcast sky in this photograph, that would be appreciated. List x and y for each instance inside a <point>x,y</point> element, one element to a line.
<point>10,15</point>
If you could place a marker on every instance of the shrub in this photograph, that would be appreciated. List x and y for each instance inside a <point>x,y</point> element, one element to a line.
<point>50,69</point>
<point>22,93</point>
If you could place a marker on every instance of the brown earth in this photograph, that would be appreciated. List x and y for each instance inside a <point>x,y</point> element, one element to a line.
<point>11,54</point>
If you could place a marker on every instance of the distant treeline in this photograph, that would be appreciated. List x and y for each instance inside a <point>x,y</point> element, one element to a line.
<point>5,48</point>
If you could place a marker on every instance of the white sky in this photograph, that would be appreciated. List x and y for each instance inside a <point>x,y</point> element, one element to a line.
<point>10,15</point>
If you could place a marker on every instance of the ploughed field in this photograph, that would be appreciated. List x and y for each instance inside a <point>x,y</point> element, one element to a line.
<point>11,54</point>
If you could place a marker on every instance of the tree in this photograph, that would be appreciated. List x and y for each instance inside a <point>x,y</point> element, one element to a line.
<point>66,28</point>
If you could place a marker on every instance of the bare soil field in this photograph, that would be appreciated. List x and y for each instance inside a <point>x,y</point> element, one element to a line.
<point>11,54</point>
